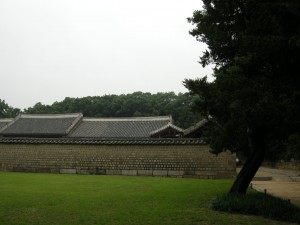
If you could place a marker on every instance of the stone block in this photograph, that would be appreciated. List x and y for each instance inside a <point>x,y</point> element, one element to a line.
<point>189,173</point>
<point>41,170</point>
<point>160,173</point>
<point>55,170</point>
<point>145,172</point>
<point>205,173</point>
<point>100,171</point>
<point>19,169</point>
<point>129,172</point>
<point>113,172</point>
<point>68,171</point>
<point>175,173</point>
<point>85,172</point>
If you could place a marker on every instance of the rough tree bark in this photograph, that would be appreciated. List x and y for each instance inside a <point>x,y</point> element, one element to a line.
<point>251,165</point>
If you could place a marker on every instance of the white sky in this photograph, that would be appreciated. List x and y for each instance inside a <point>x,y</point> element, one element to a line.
<point>52,49</point>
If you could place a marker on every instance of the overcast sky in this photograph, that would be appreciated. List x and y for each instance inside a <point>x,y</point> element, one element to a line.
<point>52,49</point>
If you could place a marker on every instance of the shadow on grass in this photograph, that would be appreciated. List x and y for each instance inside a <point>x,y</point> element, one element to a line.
<point>259,204</point>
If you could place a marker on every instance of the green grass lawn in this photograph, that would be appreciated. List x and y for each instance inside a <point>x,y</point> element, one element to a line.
<point>44,199</point>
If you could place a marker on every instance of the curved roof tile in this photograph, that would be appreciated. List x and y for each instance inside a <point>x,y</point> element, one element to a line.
<point>42,125</point>
<point>100,141</point>
<point>136,127</point>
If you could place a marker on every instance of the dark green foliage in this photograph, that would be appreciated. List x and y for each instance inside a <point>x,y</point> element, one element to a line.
<point>255,46</point>
<point>137,104</point>
<point>7,111</point>
<point>255,98</point>
<point>293,146</point>
<point>259,204</point>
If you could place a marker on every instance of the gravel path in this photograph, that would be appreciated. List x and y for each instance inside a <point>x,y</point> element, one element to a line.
<point>281,183</point>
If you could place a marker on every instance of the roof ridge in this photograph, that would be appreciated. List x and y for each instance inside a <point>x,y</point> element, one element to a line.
<point>166,126</point>
<point>75,123</point>
<point>10,122</point>
<point>6,119</point>
<point>50,116</point>
<point>126,118</point>
<point>195,126</point>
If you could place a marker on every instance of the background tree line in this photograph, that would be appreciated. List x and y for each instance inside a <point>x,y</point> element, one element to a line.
<point>137,104</point>
<point>7,111</point>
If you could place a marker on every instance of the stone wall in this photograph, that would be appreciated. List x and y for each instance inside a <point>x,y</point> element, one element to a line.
<point>291,165</point>
<point>132,160</point>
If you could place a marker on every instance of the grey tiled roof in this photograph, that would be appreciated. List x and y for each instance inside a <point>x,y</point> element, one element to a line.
<point>42,125</point>
<point>195,127</point>
<point>168,126</point>
<point>5,122</point>
<point>138,127</point>
<point>100,141</point>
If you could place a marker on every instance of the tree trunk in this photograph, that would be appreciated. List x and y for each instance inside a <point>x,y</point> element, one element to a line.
<point>251,166</point>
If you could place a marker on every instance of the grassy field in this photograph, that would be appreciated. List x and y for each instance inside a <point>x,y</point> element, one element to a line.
<point>32,199</point>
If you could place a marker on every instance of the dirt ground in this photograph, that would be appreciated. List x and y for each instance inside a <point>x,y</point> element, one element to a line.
<point>277,182</point>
